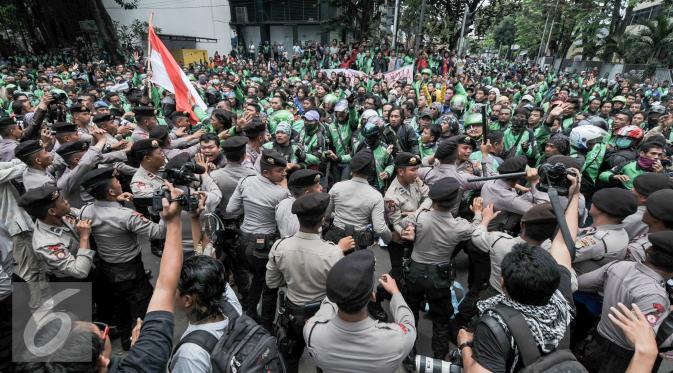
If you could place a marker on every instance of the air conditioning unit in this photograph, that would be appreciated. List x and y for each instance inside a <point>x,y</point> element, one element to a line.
<point>241,14</point>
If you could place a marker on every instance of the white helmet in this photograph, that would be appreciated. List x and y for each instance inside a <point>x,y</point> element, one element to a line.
<point>581,135</point>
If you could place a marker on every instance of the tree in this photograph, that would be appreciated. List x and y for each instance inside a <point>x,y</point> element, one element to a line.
<point>358,15</point>
<point>657,36</point>
<point>504,33</point>
<point>133,35</point>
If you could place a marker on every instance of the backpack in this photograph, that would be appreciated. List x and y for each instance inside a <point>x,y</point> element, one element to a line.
<point>561,360</point>
<point>245,347</point>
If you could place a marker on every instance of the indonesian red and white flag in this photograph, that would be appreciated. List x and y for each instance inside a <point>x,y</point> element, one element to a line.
<point>167,73</point>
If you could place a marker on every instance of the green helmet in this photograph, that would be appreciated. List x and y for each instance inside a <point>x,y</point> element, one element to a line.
<point>472,119</point>
<point>330,98</point>
<point>426,71</point>
<point>621,99</point>
<point>281,116</point>
<point>458,103</point>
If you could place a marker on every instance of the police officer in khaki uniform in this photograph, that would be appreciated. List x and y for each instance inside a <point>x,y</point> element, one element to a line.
<point>228,243</point>
<point>38,159</point>
<point>658,217</point>
<point>145,122</point>
<point>406,196</point>
<point>256,198</point>
<point>116,230</point>
<point>170,150</point>
<point>301,262</point>
<point>446,156</point>
<point>301,182</point>
<point>430,273</point>
<point>341,337</point>
<point>64,249</point>
<point>628,283</point>
<point>606,240</point>
<point>643,186</point>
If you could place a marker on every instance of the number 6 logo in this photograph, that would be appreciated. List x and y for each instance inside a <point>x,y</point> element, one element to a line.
<point>43,316</point>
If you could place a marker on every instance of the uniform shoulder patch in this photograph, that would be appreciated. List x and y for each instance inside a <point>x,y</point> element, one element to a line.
<point>58,251</point>
<point>390,204</point>
<point>405,330</point>
<point>654,316</point>
<point>141,216</point>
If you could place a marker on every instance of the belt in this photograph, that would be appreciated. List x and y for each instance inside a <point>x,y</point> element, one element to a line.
<point>308,309</point>
<point>426,267</point>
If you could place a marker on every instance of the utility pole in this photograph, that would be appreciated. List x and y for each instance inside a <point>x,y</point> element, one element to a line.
<point>396,23</point>
<point>419,29</point>
<point>544,32</point>
<point>462,34</point>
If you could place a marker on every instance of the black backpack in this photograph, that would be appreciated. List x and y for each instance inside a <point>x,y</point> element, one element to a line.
<point>245,347</point>
<point>561,360</point>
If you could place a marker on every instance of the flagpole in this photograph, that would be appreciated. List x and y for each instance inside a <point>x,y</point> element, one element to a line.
<point>148,68</point>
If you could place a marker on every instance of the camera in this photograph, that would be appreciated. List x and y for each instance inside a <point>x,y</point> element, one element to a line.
<point>554,175</point>
<point>181,178</point>
<point>425,364</point>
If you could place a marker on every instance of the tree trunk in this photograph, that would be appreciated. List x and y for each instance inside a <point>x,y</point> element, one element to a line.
<point>106,30</point>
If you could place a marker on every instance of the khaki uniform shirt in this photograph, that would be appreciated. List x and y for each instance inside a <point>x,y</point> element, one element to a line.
<point>287,222</point>
<point>256,198</point>
<point>437,235</point>
<point>227,179</point>
<point>402,204</point>
<point>599,246</point>
<point>633,224</point>
<point>505,198</point>
<point>58,247</point>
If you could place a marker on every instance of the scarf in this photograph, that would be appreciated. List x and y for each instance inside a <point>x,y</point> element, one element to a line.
<point>547,323</point>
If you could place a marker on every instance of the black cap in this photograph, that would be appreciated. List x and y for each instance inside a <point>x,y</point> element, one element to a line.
<point>662,243</point>
<point>616,202</point>
<point>235,143</point>
<point>312,204</point>
<point>650,182</point>
<point>463,139</point>
<point>304,177</point>
<point>7,121</point>
<point>514,164</point>
<point>159,132</point>
<point>254,128</point>
<point>27,148</point>
<point>569,162</point>
<point>351,280</point>
<point>41,195</point>
<point>660,206</point>
<point>404,159</point>
<point>143,111</point>
<point>144,144</point>
<point>64,127</point>
<point>72,147</point>
<point>100,118</point>
<point>445,189</point>
<point>272,158</point>
<point>445,149</point>
<point>78,108</point>
<point>361,160</point>
<point>540,213</point>
<point>98,176</point>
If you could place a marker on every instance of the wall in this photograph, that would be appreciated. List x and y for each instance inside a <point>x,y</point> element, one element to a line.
<point>282,35</point>
<point>196,18</point>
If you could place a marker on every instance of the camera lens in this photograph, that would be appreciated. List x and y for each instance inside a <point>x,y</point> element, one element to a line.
<point>425,364</point>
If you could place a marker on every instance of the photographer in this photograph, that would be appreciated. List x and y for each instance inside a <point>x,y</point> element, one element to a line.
<point>536,285</point>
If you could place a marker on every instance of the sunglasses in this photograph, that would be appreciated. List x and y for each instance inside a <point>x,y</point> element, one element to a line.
<point>104,330</point>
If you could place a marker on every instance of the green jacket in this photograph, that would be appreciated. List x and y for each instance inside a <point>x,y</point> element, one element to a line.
<point>631,170</point>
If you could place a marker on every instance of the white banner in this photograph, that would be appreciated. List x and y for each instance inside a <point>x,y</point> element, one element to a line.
<point>349,73</point>
<point>403,73</point>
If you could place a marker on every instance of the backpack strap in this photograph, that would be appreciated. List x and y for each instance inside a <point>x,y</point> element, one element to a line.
<point>521,332</point>
<point>201,338</point>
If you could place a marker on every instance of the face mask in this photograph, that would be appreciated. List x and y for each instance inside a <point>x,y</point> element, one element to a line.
<point>623,143</point>
<point>646,163</point>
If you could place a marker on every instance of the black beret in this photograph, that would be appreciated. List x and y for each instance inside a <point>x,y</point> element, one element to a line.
<point>78,108</point>
<point>463,139</point>
<point>98,176</point>
<point>72,147</point>
<point>64,127</point>
<point>272,158</point>
<point>41,195</point>
<point>100,118</point>
<point>144,144</point>
<point>540,213</point>
<point>304,177</point>
<point>235,143</point>
<point>7,121</point>
<point>569,162</point>
<point>514,164</point>
<point>404,159</point>
<point>143,111</point>
<point>159,132</point>
<point>445,149</point>
<point>650,182</point>
<point>662,242</point>
<point>254,128</point>
<point>351,280</point>
<point>312,204</point>
<point>660,206</point>
<point>361,160</point>
<point>616,202</point>
<point>28,147</point>
<point>445,189</point>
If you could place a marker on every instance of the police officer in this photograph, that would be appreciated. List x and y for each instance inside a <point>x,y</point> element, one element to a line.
<point>301,262</point>
<point>606,240</point>
<point>38,160</point>
<point>643,186</point>
<point>446,155</point>
<point>161,133</point>
<point>256,198</point>
<point>116,230</point>
<point>658,216</point>
<point>145,122</point>
<point>356,204</point>
<point>342,338</point>
<point>65,249</point>
<point>301,182</point>
<point>11,132</point>
<point>406,196</point>
<point>626,282</point>
<point>430,272</point>
<point>231,253</point>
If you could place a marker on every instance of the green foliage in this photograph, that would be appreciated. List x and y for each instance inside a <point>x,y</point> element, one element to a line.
<point>504,32</point>
<point>9,18</point>
<point>133,35</point>
<point>127,4</point>
<point>657,36</point>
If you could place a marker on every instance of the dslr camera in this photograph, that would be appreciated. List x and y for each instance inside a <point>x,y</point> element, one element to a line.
<point>181,178</point>
<point>555,175</point>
